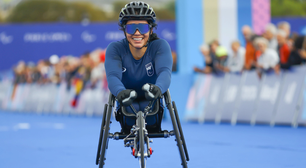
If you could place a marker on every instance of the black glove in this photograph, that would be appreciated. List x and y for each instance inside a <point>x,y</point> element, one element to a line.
<point>151,91</point>
<point>126,97</point>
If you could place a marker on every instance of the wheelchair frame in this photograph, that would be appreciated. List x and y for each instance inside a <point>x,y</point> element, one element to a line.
<point>139,136</point>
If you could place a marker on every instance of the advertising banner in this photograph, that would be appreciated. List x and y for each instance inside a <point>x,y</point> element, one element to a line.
<point>292,85</point>
<point>198,94</point>
<point>302,106</point>
<point>268,97</point>
<point>32,42</point>
<point>229,99</point>
<point>214,101</point>
<point>247,97</point>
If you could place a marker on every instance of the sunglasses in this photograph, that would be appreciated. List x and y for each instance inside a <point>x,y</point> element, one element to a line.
<point>142,28</point>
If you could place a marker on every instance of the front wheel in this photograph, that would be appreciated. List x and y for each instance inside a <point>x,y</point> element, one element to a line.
<point>142,160</point>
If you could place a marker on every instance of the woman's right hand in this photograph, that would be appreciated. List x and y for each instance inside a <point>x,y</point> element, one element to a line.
<point>126,97</point>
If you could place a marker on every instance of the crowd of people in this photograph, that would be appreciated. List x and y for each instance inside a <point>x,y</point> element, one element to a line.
<point>81,72</point>
<point>277,48</point>
<point>89,68</point>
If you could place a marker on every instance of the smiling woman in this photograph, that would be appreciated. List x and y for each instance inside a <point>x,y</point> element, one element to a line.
<point>140,58</point>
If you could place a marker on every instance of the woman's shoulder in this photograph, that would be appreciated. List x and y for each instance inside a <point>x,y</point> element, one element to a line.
<point>159,43</point>
<point>117,45</point>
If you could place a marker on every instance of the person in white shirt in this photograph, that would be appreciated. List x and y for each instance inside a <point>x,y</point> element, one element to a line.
<point>270,35</point>
<point>285,26</point>
<point>235,61</point>
<point>269,59</point>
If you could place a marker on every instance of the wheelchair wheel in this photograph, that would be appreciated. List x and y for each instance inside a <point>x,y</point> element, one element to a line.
<point>141,142</point>
<point>177,135</point>
<point>101,134</point>
<point>105,137</point>
<point>180,130</point>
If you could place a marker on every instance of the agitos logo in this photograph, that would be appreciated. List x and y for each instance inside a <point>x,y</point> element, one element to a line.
<point>5,39</point>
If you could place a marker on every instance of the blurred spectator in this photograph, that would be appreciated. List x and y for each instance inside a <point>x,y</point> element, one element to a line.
<point>250,58</point>
<point>285,26</point>
<point>298,54</point>
<point>235,61</point>
<point>20,76</point>
<point>270,35</point>
<point>20,73</point>
<point>54,69</point>
<point>268,59</point>
<point>208,60</point>
<point>283,48</point>
<point>213,48</point>
<point>220,64</point>
<point>174,58</point>
<point>33,75</point>
<point>98,70</point>
<point>71,68</point>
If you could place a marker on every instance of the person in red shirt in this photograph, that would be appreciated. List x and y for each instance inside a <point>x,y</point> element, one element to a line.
<point>283,48</point>
<point>250,56</point>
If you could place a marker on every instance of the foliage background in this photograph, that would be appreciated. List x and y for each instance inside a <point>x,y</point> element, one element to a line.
<point>61,11</point>
<point>285,8</point>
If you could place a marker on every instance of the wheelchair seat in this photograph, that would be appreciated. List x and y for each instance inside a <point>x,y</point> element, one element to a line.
<point>153,119</point>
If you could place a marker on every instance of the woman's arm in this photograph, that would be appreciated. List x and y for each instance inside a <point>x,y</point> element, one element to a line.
<point>113,68</point>
<point>163,65</point>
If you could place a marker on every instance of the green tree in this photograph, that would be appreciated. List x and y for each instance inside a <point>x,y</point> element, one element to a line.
<point>288,7</point>
<point>117,6</point>
<point>164,13</point>
<point>53,11</point>
<point>1,20</point>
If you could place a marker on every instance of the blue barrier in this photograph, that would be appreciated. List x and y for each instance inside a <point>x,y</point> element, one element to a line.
<point>292,89</point>
<point>273,99</point>
<point>246,102</point>
<point>302,106</point>
<point>51,98</point>
<point>270,86</point>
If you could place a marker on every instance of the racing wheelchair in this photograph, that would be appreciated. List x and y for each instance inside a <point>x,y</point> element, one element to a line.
<point>138,138</point>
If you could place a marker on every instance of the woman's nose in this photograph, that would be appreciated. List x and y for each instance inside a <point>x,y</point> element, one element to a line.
<point>137,32</point>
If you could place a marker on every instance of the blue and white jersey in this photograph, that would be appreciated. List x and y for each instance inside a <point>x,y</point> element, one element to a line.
<point>123,71</point>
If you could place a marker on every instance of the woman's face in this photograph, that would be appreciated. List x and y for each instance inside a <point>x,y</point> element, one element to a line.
<point>137,39</point>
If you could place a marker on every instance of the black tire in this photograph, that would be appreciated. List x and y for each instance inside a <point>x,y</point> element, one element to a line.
<point>105,137</point>
<point>177,136</point>
<point>180,130</point>
<point>141,142</point>
<point>101,134</point>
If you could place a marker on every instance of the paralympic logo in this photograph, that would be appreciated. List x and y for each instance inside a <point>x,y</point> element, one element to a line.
<point>114,35</point>
<point>87,37</point>
<point>168,35</point>
<point>5,39</point>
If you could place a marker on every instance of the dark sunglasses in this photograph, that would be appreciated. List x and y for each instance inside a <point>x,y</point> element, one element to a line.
<point>142,28</point>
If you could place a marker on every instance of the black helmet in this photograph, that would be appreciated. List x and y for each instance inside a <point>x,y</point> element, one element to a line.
<point>137,10</point>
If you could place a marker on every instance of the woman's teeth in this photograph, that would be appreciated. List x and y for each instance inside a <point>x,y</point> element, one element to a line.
<point>137,39</point>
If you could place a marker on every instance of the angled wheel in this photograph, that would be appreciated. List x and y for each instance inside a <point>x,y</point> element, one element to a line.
<point>141,142</point>
<point>101,134</point>
<point>175,129</point>
<point>177,136</point>
<point>181,131</point>
<point>105,137</point>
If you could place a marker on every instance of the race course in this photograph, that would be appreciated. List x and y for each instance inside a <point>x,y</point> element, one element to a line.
<point>30,140</point>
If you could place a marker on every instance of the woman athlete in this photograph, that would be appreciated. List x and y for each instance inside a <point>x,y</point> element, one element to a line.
<point>140,60</point>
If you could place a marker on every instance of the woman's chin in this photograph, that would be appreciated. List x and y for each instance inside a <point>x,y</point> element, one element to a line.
<point>139,45</point>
